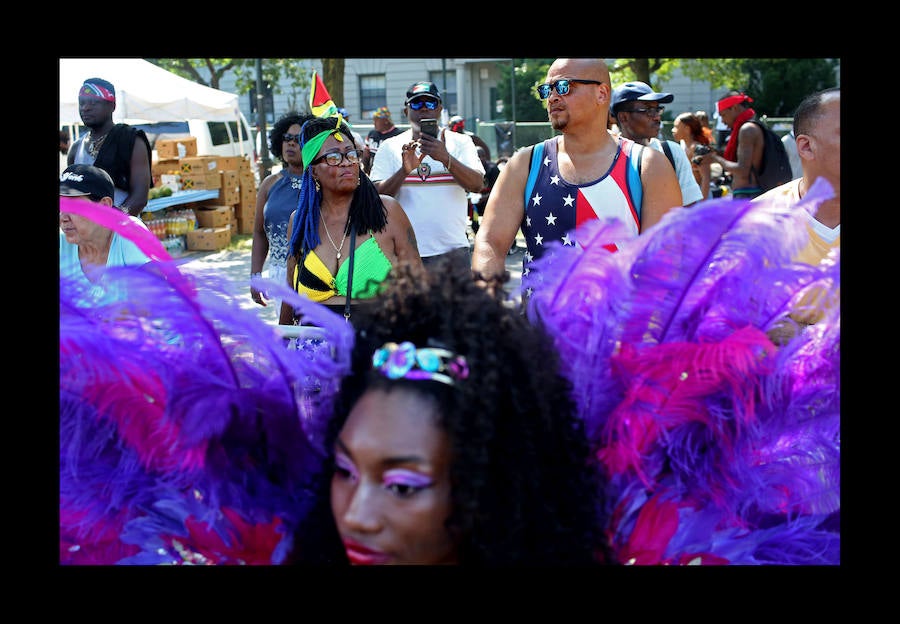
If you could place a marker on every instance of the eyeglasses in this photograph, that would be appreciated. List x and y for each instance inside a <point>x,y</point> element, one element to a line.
<point>561,86</point>
<point>650,112</point>
<point>287,136</point>
<point>334,159</point>
<point>426,102</point>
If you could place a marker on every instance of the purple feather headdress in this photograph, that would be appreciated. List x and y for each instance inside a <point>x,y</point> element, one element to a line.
<point>187,429</point>
<point>720,446</point>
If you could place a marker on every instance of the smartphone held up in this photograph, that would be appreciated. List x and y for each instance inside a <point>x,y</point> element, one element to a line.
<point>429,127</point>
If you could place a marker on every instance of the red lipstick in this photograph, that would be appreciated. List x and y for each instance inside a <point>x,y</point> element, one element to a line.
<point>360,555</point>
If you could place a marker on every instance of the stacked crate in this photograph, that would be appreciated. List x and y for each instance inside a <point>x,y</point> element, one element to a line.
<point>245,209</point>
<point>216,219</point>
<point>232,177</point>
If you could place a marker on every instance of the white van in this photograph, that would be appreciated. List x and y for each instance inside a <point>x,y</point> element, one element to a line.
<point>217,138</point>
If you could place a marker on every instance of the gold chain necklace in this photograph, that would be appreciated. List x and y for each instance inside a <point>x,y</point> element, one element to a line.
<point>94,145</point>
<point>337,250</point>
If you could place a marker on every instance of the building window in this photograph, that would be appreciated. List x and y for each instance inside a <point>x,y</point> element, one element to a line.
<point>446,83</point>
<point>372,94</point>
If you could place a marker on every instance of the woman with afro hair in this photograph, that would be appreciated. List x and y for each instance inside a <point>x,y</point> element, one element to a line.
<point>455,440</point>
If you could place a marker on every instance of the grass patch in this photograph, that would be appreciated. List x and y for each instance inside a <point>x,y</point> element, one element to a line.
<point>241,242</point>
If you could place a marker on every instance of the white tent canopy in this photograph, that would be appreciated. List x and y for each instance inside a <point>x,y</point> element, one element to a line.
<point>145,93</point>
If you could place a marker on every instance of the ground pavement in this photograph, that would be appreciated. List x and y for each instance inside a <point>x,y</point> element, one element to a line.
<point>233,264</point>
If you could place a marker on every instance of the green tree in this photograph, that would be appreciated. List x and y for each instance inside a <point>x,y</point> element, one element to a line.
<point>778,85</point>
<point>527,73</point>
<point>209,72</point>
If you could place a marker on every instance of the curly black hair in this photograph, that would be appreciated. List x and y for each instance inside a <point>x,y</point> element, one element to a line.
<point>526,490</point>
<point>276,134</point>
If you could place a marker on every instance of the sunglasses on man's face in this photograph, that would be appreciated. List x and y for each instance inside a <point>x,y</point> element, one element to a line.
<point>287,136</point>
<point>562,86</point>
<point>426,102</point>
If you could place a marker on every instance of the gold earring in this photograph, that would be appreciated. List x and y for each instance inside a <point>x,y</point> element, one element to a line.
<point>318,187</point>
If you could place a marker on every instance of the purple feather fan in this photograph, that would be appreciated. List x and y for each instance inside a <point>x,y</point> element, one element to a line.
<point>187,429</point>
<point>721,446</point>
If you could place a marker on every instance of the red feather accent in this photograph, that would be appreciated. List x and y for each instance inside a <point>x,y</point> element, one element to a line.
<point>655,525</point>
<point>667,386</point>
<point>654,528</point>
<point>247,544</point>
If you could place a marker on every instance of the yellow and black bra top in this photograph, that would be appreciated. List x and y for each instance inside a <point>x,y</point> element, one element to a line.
<point>370,268</point>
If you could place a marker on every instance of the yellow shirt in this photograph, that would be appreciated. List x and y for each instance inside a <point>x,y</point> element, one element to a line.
<point>812,306</point>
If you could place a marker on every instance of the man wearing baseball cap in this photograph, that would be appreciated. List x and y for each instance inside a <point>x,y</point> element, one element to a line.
<point>384,129</point>
<point>638,112</point>
<point>85,246</point>
<point>120,150</point>
<point>430,177</point>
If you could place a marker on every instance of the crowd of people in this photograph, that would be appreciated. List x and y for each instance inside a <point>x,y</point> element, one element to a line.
<point>666,392</point>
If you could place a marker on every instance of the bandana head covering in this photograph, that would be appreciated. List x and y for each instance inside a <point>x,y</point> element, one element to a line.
<point>381,112</point>
<point>99,89</point>
<point>730,100</point>
<point>306,221</point>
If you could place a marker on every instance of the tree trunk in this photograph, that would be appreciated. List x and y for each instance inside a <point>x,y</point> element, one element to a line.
<point>641,67</point>
<point>333,77</point>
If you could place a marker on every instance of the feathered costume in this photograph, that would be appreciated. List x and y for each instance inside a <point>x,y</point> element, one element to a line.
<point>186,426</point>
<point>721,447</point>
<point>188,431</point>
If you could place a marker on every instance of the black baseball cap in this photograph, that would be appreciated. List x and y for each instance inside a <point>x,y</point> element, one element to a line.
<point>423,89</point>
<point>81,180</point>
<point>636,91</point>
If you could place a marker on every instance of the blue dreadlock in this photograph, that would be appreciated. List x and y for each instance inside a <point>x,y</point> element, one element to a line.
<point>366,210</point>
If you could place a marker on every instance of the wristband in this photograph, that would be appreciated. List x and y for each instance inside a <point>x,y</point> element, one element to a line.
<point>252,275</point>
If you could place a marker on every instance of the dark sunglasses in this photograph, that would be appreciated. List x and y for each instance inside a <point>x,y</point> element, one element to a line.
<point>561,86</point>
<point>287,136</point>
<point>426,102</point>
<point>333,159</point>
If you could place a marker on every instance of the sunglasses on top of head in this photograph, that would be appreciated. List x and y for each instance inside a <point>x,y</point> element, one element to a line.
<point>562,86</point>
<point>426,102</point>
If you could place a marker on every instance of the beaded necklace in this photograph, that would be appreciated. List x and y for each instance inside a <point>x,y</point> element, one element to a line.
<point>296,181</point>
<point>93,145</point>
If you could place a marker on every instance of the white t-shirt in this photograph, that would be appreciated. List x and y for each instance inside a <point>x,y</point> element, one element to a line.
<point>437,205</point>
<point>690,190</point>
<point>790,146</point>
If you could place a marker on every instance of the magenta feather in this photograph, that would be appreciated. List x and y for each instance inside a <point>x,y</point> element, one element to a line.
<point>120,222</point>
<point>684,394</point>
<point>177,404</point>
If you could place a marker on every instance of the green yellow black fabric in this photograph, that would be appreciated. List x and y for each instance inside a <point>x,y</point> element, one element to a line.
<point>371,268</point>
